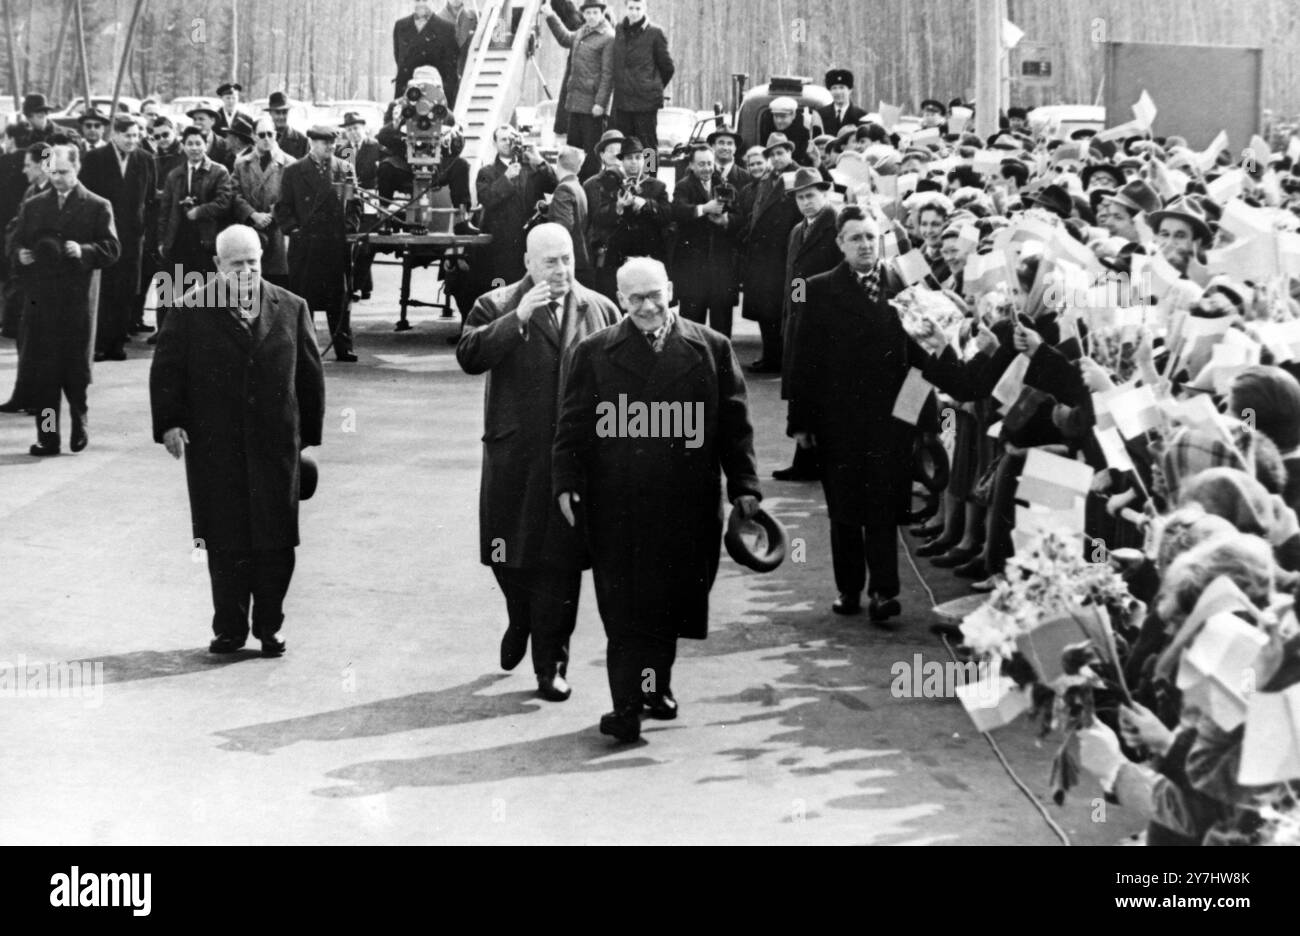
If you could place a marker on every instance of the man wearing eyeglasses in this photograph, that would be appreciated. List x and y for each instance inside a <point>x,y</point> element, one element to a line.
<point>257,178</point>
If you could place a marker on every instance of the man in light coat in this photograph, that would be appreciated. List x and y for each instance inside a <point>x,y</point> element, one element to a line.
<point>590,80</point>
<point>257,179</point>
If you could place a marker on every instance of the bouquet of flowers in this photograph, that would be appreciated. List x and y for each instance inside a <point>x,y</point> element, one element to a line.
<point>917,305</point>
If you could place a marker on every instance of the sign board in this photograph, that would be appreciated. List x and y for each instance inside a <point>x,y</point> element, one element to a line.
<point>1036,64</point>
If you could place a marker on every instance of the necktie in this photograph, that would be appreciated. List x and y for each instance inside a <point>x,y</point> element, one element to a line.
<point>189,182</point>
<point>63,197</point>
<point>552,308</point>
<point>839,115</point>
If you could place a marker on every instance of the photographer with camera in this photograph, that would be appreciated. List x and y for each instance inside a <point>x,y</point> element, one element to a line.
<point>708,231</point>
<point>508,191</point>
<point>642,209</point>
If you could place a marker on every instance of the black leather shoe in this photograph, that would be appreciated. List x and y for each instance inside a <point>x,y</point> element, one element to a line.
<point>793,474</point>
<point>10,406</point>
<point>80,438</point>
<point>225,644</point>
<point>954,557</point>
<point>514,644</point>
<point>660,705</point>
<point>553,688</point>
<point>116,354</point>
<point>847,604</point>
<point>936,547</point>
<point>346,357</point>
<point>100,356</point>
<point>623,724</point>
<point>972,570</point>
<point>272,646</point>
<point>882,609</point>
<point>40,450</point>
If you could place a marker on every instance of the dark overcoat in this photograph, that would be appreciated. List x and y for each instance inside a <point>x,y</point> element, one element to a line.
<point>134,196</point>
<point>849,362</point>
<point>311,212</point>
<point>705,255</point>
<point>61,298</point>
<point>434,45</point>
<point>569,209</point>
<point>249,402</point>
<point>768,238</point>
<point>213,192</point>
<point>651,508</point>
<point>525,370</point>
<point>809,252</point>
<point>506,206</point>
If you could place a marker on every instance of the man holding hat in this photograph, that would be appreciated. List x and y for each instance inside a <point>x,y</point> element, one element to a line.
<point>92,124</point>
<point>591,71</point>
<point>649,505</point>
<point>642,69</point>
<point>783,117</point>
<point>311,211</point>
<point>841,112</point>
<point>127,179</point>
<point>229,94</point>
<point>773,216</point>
<point>602,191</point>
<point>286,137</point>
<point>236,389</point>
<point>37,112</point>
<point>60,241</point>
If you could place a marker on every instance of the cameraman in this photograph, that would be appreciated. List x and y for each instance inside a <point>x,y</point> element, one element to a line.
<point>508,190</point>
<point>642,210</point>
<point>708,230</point>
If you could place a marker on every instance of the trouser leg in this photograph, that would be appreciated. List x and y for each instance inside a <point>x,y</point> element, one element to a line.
<point>514,586</point>
<point>231,574</point>
<point>553,614</point>
<point>881,543</point>
<point>720,315</point>
<point>770,331</point>
<point>46,399</point>
<point>78,409</point>
<point>271,571</point>
<point>848,557</point>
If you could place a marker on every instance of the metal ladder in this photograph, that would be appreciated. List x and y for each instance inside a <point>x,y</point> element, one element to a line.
<point>493,80</point>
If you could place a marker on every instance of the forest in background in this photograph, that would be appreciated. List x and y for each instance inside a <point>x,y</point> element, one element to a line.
<point>900,50</point>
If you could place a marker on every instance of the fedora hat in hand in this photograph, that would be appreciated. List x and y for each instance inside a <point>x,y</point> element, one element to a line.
<point>772,540</point>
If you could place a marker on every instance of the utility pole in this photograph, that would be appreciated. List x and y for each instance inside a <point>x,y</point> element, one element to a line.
<point>989,16</point>
<point>234,40</point>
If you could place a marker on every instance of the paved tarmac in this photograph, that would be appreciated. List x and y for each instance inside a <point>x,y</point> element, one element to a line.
<point>388,720</point>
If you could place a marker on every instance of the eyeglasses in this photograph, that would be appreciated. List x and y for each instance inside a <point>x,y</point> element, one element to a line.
<point>159,137</point>
<point>265,136</point>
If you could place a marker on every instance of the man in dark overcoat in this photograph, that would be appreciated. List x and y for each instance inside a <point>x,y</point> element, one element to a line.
<point>237,388</point>
<point>704,259</point>
<point>126,177</point>
<point>772,217</point>
<point>424,38</point>
<point>642,210</point>
<point>849,362</point>
<point>522,336</point>
<point>648,497</point>
<point>311,211</point>
<point>60,242</point>
<point>508,190</point>
<point>812,250</point>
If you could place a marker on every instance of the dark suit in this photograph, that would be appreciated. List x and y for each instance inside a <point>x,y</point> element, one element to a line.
<point>61,297</point>
<point>537,558</point>
<point>250,398</point>
<point>293,142</point>
<point>850,359</point>
<point>506,206</point>
<point>812,250</point>
<point>134,197</point>
<point>642,232</point>
<point>434,45</point>
<point>310,212</point>
<point>602,194</point>
<point>832,124</point>
<point>773,216</point>
<point>220,151</point>
<point>651,508</point>
<point>193,244</point>
<point>704,259</point>
<point>569,209</point>
<point>12,186</point>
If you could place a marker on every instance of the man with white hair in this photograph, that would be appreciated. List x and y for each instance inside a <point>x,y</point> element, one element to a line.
<point>648,500</point>
<point>237,388</point>
<point>522,336</point>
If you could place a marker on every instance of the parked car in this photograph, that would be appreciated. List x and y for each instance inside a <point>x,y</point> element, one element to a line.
<point>332,113</point>
<point>67,115</point>
<point>301,114</point>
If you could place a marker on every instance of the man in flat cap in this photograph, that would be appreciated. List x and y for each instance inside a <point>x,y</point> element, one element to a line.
<point>841,112</point>
<point>229,94</point>
<point>127,178</point>
<point>783,117</point>
<point>312,212</point>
